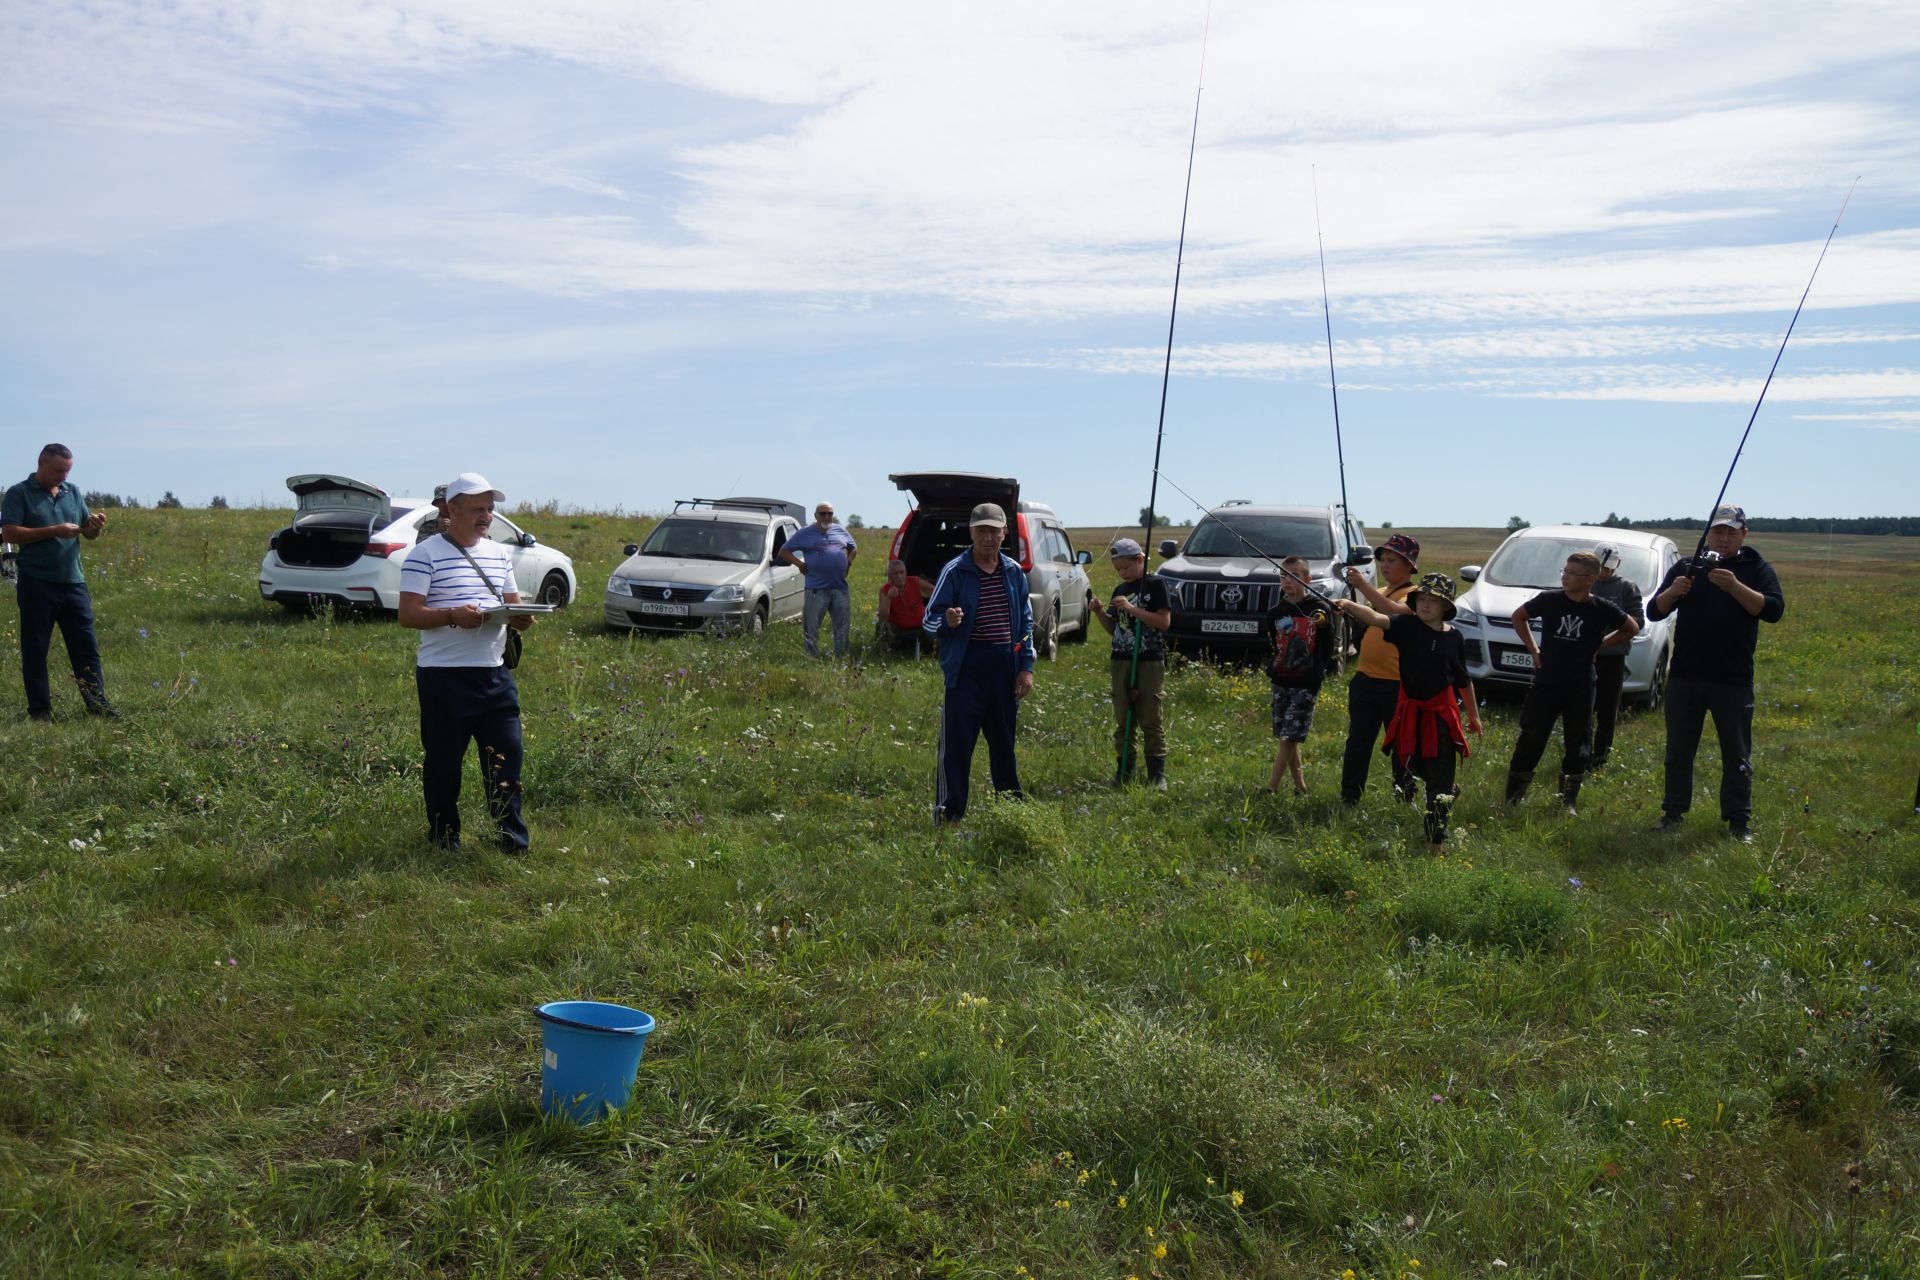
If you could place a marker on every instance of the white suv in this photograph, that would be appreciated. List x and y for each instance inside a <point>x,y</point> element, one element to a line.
<point>1529,562</point>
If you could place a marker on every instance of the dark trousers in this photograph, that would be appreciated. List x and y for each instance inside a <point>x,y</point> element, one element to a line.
<point>1609,674</point>
<point>44,606</point>
<point>980,702</point>
<point>1438,773</point>
<point>1572,706</point>
<point>459,705</point>
<point>1370,704</point>
<point>1689,702</point>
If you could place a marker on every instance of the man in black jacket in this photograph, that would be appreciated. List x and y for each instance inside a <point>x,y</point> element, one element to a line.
<point>1719,607</point>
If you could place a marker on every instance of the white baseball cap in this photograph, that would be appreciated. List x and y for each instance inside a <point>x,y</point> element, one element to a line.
<point>472,482</point>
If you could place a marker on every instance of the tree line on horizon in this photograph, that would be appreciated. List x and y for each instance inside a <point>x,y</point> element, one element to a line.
<point>1900,526</point>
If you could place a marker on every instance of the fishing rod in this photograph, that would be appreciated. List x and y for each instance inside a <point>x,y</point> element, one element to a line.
<point>1160,430</point>
<point>1699,552</point>
<point>1333,380</point>
<point>1248,544</point>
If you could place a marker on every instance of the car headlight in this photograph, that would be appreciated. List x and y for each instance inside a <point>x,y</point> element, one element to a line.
<point>727,593</point>
<point>1466,618</point>
<point>616,583</point>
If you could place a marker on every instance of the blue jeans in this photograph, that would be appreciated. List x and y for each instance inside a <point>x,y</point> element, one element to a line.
<point>836,600</point>
<point>459,705</point>
<point>43,606</point>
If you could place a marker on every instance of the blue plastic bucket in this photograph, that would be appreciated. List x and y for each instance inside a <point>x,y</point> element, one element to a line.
<point>589,1053</point>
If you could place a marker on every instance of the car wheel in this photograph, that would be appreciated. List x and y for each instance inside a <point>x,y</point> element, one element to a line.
<point>553,590</point>
<point>1657,691</point>
<point>1046,636</point>
<point>1085,629</point>
<point>757,622</point>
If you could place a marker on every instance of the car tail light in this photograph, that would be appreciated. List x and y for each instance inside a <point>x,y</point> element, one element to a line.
<point>900,537</point>
<point>273,542</point>
<point>382,550</point>
<point>1026,547</point>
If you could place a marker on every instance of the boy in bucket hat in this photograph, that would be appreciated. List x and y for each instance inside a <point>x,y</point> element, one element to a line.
<point>1374,690</point>
<point>1425,735</point>
<point>1138,614</point>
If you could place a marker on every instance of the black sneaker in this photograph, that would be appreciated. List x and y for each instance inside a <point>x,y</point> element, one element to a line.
<point>1740,832</point>
<point>44,717</point>
<point>1669,822</point>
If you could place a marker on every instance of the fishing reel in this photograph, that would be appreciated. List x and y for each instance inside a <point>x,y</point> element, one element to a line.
<point>1698,566</point>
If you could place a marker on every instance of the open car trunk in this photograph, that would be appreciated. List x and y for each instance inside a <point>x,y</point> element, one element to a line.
<point>943,505</point>
<point>335,518</point>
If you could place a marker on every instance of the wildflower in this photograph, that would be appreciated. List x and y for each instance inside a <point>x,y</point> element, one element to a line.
<point>143,633</point>
<point>1149,1233</point>
<point>1159,1251</point>
<point>1677,1123</point>
<point>1082,1179</point>
<point>1348,1274</point>
<point>1238,1199</point>
<point>1020,1271</point>
<point>1209,1181</point>
<point>1121,1203</point>
<point>1414,1263</point>
<point>1062,1204</point>
<point>1575,882</point>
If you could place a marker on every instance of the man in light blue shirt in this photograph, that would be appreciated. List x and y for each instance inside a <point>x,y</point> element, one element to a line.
<point>47,517</point>
<point>830,550</point>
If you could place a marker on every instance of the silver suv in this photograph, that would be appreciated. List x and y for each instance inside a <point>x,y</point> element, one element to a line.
<point>935,531</point>
<point>1221,587</point>
<point>709,566</point>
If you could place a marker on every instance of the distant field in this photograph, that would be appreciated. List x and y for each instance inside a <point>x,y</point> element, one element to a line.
<point>254,1027</point>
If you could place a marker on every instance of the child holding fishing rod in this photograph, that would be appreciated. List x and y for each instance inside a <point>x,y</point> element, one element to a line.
<point>1304,651</point>
<point>1425,735</point>
<point>1137,617</point>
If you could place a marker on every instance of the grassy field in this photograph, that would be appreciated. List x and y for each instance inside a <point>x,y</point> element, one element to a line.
<point>255,1027</point>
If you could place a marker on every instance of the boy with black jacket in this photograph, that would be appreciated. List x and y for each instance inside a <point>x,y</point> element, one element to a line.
<point>1718,607</point>
<point>1304,652</point>
<point>1425,736</point>
<point>1574,626</point>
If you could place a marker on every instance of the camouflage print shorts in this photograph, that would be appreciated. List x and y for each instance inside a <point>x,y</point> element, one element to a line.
<point>1292,712</point>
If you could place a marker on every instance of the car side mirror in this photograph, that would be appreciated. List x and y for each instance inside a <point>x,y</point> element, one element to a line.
<point>526,539</point>
<point>1169,549</point>
<point>1469,573</point>
<point>1360,555</point>
<point>632,549</point>
<point>1083,557</point>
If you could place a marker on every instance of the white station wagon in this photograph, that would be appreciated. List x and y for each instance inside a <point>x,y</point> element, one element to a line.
<point>348,540</point>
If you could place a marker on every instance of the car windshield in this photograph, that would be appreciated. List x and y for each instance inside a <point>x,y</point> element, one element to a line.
<point>1275,536</point>
<point>1537,562</point>
<point>705,540</point>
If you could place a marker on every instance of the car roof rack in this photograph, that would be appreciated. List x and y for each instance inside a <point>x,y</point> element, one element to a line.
<point>772,506</point>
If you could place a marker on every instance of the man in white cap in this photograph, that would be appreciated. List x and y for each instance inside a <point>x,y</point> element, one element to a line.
<point>1719,601</point>
<point>448,585</point>
<point>984,620</point>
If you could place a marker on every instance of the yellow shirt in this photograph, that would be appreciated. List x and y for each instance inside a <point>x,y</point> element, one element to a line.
<point>1378,658</point>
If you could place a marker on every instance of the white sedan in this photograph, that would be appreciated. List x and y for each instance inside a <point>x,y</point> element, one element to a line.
<point>348,539</point>
<point>1529,562</point>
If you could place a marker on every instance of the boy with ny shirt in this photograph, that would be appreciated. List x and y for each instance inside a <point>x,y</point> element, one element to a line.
<point>1138,614</point>
<point>1425,736</point>
<point>1303,652</point>
<point>1574,626</point>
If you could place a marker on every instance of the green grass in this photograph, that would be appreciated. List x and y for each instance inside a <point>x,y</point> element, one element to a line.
<point>255,1027</point>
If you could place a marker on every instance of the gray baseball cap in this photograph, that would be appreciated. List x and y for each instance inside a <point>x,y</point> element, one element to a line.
<point>1728,514</point>
<point>1124,549</point>
<point>987,513</point>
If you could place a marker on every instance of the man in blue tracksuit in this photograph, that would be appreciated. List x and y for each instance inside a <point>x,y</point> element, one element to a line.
<point>980,612</point>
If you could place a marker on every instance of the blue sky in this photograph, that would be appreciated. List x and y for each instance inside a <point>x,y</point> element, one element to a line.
<point>612,254</point>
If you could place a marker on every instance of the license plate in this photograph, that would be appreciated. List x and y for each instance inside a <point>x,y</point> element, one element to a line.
<point>669,610</point>
<point>1230,626</point>
<point>1517,658</point>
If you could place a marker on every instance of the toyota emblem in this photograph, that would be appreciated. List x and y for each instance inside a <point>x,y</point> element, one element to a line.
<point>1230,596</point>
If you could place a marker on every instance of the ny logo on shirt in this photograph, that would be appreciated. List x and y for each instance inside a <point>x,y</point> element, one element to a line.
<point>1569,628</point>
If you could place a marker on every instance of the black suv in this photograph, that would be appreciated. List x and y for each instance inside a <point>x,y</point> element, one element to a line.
<point>1223,582</point>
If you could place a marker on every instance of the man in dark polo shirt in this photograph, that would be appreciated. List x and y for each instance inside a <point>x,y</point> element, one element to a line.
<point>46,517</point>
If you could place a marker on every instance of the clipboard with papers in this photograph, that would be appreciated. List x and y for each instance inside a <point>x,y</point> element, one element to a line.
<point>501,612</point>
